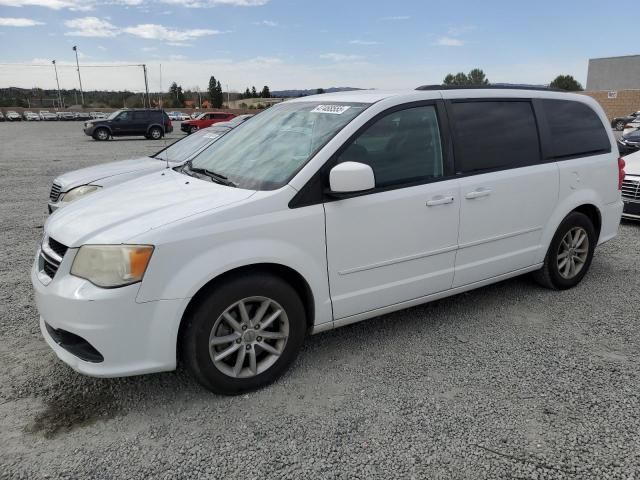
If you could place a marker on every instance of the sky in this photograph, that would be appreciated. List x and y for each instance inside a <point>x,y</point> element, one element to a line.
<point>301,43</point>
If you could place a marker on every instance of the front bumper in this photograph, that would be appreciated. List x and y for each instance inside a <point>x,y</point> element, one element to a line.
<point>89,129</point>
<point>132,338</point>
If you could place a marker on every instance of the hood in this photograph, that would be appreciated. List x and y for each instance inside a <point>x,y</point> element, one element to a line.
<point>632,163</point>
<point>127,210</point>
<point>93,174</point>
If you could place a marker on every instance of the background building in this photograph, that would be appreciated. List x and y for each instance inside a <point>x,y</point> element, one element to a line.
<point>615,83</point>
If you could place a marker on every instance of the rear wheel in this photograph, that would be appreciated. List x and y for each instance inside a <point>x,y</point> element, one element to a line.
<point>244,334</point>
<point>155,133</point>
<point>570,253</point>
<point>101,134</point>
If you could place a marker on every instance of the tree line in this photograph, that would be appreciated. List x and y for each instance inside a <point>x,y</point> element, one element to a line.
<point>477,78</point>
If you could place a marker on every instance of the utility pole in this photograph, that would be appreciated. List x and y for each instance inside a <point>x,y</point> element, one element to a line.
<point>75,49</point>
<point>228,96</point>
<point>146,84</point>
<point>160,92</point>
<point>58,83</point>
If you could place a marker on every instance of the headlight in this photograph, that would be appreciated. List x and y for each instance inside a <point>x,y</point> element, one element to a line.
<point>78,192</point>
<point>111,266</point>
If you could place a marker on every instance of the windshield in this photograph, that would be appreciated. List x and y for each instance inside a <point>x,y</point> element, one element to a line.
<point>114,114</point>
<point>183,149</point>
<point>200,116</point>
<point>267,151</point>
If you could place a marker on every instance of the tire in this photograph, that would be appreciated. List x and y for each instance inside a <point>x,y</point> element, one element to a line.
<point>101,134</point>
<point>155,133</point>
<point>568,243</point>
<point>246,341</point>
<point>192,130</point>
<point>620,125</point>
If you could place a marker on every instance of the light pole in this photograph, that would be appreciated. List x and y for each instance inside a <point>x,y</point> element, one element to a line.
<point>58,83</point>
<point>75,49</point>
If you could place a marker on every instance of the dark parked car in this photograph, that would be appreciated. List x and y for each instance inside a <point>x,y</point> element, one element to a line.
<point>1,117</point>
<point>619,122</point>
<point>150,123</point>
<point>629,142</point>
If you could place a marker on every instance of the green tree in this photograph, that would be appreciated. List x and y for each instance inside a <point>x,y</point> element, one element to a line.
<point>213,84</point>
<point>475,77</point>
<point>247,93</point>
<point>176,94</point>
<point>254,92</point>
<point>265,92</point>
<point>566,82</point>
<point>217,95</point>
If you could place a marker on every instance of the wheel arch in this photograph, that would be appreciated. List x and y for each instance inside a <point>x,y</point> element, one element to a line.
<point>594,215</point>
<point>291,276</point>
<point>154,125</point>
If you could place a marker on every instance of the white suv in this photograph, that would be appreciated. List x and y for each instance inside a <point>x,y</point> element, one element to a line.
<point>320,212</point>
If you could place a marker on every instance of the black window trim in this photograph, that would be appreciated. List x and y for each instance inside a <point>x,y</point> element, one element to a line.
<point>315,190</point>
<point>545,133</point>
<point>539,128</point>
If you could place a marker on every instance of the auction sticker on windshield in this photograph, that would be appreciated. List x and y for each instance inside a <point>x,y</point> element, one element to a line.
<point>334,109</point>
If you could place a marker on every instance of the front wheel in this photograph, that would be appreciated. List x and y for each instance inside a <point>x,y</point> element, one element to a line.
<point>101,134</point>
<point>619,125</point>
<point>570,253</point>
<point>244,334</point>
<point>193,130</point>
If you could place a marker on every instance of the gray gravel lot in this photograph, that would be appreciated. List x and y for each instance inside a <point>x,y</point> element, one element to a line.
<point>509,381</point>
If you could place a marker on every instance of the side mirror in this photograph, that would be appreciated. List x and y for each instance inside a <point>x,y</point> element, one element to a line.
<point>351,177</point>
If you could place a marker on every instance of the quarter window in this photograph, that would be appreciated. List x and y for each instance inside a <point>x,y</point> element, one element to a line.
<point>401,147</point>
<point>574,129</point>
<point>493,135</point>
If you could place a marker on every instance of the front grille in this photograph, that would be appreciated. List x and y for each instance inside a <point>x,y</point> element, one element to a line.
<point>55,192</point>
<point>57,247</point>
<point>631,189</point>
<point>51,255</point>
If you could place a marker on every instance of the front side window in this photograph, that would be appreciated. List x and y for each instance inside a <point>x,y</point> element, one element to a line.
<point>492,135</point>
<point>267,151</point>
<point>124,116</point>
<point>401,147</point>
<point>574,129</point>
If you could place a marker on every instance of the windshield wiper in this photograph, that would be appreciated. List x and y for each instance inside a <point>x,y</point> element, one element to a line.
<point>214,176</point>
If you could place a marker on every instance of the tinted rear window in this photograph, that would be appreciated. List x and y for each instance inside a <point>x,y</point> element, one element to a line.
<point>574,129</point>
<point>495,135</point>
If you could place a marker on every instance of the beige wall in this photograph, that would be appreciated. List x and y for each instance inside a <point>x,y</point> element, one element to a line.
<point>627,101</point>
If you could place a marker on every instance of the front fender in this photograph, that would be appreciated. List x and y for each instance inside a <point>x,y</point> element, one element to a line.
<point>180,268</point>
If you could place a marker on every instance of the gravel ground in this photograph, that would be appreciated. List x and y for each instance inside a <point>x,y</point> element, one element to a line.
<point>509,381</point>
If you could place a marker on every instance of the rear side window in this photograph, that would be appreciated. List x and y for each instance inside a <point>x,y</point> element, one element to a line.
<point>574,129</point>
<point>491,135</point>
<point>218,116</point>
<point>140,116</point>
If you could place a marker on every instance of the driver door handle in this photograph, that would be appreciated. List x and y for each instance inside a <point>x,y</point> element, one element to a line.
<point>440,200</point>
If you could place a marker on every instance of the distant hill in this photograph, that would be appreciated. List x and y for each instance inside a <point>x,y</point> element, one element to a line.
<point>309,91</point>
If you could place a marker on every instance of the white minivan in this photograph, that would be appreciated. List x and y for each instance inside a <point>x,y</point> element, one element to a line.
<point>320,212</point>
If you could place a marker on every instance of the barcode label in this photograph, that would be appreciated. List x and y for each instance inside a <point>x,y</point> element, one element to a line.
<point>334,109</point>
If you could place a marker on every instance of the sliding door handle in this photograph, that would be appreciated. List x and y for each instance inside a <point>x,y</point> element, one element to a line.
<point>439,200</point>
<point>481,192</point>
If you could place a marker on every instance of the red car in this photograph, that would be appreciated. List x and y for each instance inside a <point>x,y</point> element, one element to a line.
<point>205,120</point>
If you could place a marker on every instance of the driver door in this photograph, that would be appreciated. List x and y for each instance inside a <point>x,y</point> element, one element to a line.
<point>398,242</point>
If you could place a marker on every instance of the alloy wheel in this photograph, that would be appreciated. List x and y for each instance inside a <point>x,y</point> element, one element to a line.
<point>573,252</point>
<point>249,337</point>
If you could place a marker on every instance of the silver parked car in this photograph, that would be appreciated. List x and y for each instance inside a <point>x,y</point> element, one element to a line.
<point>71,186</point>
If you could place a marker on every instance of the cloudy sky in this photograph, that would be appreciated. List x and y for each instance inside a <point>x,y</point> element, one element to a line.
<point>302,43</point>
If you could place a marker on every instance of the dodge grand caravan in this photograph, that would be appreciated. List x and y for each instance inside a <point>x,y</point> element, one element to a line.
<point>320,212</point>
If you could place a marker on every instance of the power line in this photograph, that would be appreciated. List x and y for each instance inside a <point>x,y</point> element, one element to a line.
<point>138,65</point>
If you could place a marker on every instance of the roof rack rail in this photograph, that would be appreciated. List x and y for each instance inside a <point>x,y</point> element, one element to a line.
<point>495,86</point>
